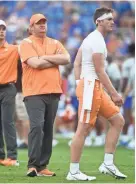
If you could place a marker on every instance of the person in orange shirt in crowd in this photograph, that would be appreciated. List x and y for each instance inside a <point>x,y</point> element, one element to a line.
<point>8,75</point>
<point>41,83</point>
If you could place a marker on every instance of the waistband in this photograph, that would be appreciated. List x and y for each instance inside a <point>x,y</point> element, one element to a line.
<point>97,82</point>
<point>6,85</point>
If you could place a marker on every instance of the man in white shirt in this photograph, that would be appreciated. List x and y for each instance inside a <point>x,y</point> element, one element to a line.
<point>127,68</point>
<point>130,92</point>
<point>91,77</point>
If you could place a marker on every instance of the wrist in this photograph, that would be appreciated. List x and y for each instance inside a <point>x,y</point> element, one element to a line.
<point>113,92</point>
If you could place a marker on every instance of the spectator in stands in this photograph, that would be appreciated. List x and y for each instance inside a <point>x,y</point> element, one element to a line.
<point>127,69</point>
<point>22,120</point>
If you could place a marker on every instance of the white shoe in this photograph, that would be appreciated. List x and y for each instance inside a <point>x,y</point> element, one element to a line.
<point>99,141</point>
<point>112,170</point>
<point>80,176</point>
<point>88,142</point>
<point>70,142</point>
<point>54,142</point>
<point>131,145</point>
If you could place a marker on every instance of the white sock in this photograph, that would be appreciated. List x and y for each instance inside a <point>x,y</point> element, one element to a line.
<point>19,141</point>
<point>108,158</point>
<point>74,167</point>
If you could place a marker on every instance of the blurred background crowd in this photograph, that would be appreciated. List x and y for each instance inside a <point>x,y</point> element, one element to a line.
<point>70,22</point>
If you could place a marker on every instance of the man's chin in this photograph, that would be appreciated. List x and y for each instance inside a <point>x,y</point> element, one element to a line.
<point>110,30</point>
<point>42,32</point>
<point>2,38</point>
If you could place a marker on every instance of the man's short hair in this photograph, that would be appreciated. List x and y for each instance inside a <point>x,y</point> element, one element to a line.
<point>100,11</point>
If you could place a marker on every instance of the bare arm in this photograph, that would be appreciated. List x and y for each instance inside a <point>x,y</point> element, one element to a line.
<point>124,84</point>
<point>77,64</point>
<point>129,88</point>
<point>39,63</point>
<point>57,59</point>
<point>98,60</point>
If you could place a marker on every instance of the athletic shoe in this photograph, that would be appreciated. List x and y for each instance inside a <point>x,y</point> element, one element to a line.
<point>1,161</point>
<point>131,145</point>
<point>31,172</point>
<point>70,142</point>
<point>10,162</point>
<point>112,170</point>
<point>54,142</point>
<point>46,172</point>
<point>88,142</point>
<point>80,176</point>
<point>23,146</point>
<point>124,140</point>
<point>99,141</point>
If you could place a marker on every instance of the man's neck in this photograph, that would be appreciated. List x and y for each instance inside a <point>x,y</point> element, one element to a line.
<point>42,36</point>
<point>101,31</point>
<point>2,42</point>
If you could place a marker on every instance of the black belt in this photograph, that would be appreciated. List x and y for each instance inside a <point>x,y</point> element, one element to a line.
<point>6,85</point>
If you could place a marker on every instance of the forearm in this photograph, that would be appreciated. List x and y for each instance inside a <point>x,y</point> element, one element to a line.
<point>44,65</point>
<point>124,84</point>
<point>78,64</point>
<point>128,89</point>
<point>77,71</point>
<point>58,59</point>
<point>103,77</point>
<point>39,63</point>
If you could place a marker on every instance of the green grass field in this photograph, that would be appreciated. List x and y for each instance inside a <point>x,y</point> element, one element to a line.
<point>91,159</point>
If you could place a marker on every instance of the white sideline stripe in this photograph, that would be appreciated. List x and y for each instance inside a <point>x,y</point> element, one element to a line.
<point>69,183</point>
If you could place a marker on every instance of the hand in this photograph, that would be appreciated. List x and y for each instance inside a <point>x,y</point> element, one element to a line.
<point>117,99</point>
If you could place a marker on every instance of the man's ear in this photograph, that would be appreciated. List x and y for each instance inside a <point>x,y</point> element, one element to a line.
<point>29,31</point>
<point>99,22</point>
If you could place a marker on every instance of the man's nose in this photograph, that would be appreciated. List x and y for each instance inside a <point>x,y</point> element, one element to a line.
<point>112,22</point>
